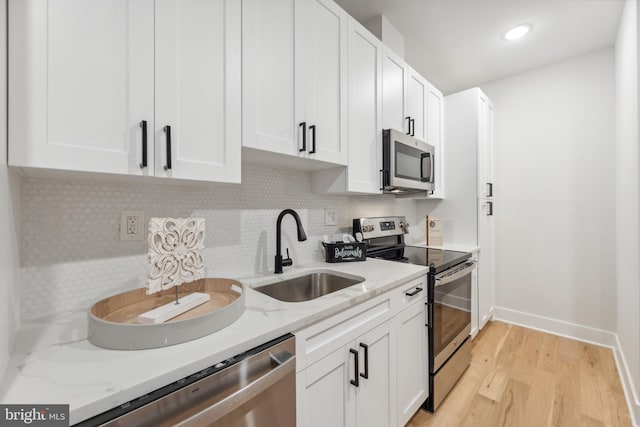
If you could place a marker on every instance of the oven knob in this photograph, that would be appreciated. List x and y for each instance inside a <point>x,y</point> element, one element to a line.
<point>367,228</point>
<point>404,226</point>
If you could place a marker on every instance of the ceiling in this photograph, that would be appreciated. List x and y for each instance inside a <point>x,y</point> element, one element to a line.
<point>457,44</point>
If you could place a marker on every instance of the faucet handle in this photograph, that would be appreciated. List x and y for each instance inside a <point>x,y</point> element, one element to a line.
<point>287,262</point>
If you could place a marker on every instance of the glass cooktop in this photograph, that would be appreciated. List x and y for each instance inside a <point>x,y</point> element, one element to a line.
<point>438,259</point>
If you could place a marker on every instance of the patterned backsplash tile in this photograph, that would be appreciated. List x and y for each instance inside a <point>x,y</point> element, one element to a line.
<point>72,255</point>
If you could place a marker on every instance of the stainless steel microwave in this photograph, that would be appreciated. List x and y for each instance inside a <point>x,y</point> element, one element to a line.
<point>407,163</point>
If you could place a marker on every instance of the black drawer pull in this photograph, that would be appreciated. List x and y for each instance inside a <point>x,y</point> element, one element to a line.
<point>143,125</point>
<point>408,119</point>
<point>303,125</point>
<point>167,131</point>
<point>414,292</point>
<point>366,361</point>
<point>312,128</point>
<point>356,381</point>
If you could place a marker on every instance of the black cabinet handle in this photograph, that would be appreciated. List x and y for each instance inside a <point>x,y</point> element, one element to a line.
<point>408,119</point>
<point>366,361</point>
<point>304,136</point>
<point>429,314</point>
<point>167,131</point>
<point>312,128</point>
<point>143,125</point>
<point>489,189</point>
<point>415,292</point>
<point>356,381</point>
<point>489,208</point>
<point>412,122</point>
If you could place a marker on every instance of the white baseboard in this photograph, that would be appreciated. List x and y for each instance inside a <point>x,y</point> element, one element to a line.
<point>580,333</point>
<point>627,383</point>
<point>557,327</point>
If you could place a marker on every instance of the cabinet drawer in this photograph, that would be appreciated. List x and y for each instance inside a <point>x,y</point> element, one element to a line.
<point>326,336</point>
<point>411,292</point>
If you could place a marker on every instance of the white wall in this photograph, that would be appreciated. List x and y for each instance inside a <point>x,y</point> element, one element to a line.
<point>554,211</point>
<point>9,201</point>
<point>627,190</point>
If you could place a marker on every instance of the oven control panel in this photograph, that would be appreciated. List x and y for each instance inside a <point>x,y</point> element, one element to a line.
<point>380,226</point>
<point>387,225</point>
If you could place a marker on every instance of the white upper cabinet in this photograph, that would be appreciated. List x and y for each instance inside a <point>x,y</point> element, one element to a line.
<point>92,81</point>
<point>364,110</point>
<point>326,72</point>
<point>414,106</point>
<point>394,91</point>
<point>81,77</point>
<point>417,93</point>
<point>198,86</point>
<point>404,97</point>
<point>364,115</point>
<point>434,135</point>
<point>272,70</point>
<point>294,76</point>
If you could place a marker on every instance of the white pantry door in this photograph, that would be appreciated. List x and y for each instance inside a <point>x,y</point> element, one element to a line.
<point>198,89</point>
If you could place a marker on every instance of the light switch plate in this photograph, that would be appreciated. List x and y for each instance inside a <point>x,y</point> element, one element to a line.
<point>330,217</point>
<point>132,225</point>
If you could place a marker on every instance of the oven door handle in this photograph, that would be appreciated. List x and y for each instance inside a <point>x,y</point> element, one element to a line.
<point>448,278</point>
<point>429,320</point>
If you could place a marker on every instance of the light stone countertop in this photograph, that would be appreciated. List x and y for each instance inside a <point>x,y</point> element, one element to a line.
<point>54,363</point>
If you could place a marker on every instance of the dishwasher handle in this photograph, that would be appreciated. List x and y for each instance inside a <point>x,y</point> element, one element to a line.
<point>248,392</point>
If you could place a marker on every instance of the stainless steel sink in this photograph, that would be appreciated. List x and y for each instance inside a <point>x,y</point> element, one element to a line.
<point>309,286</point>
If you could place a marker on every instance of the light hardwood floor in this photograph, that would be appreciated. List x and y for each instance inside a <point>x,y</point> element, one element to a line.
<point>521,377</point>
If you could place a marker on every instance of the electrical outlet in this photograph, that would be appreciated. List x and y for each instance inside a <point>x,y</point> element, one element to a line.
<point>131,225</point>
<point>330,217</point>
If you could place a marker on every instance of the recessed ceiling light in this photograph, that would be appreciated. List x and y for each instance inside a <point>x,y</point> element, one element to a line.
<point>517,32</point>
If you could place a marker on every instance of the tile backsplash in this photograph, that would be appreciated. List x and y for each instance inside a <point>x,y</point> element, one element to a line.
<point>72,255</point>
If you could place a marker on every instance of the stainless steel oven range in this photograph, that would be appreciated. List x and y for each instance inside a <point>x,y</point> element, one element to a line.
<point>448,318</point>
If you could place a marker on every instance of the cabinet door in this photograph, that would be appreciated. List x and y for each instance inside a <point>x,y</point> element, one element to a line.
<point>326,396</point>
<point>365,110</point>
<point>198,68</point>
<point>376,399</point>
<point>486,271</point>
<point>394,93</point>
<point>485,147</point>
<point>272,75</point>
<point>474,299</point>
<point>81,77</point>
<point>434,135</point>
<point>412,366</point>
<point>326,81</point>
<point>417,93</point>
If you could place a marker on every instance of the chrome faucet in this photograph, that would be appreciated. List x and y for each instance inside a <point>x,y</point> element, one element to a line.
<point>301,238</point>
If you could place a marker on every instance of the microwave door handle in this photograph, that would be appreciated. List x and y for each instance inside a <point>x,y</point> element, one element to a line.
<point>425,176</point>
<point>433,168</point>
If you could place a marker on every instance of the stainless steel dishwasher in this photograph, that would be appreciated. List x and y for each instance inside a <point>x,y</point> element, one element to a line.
<point>256,388</point>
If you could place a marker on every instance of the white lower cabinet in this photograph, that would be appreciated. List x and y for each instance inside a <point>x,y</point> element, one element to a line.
<point>366,366</point>
<point>412,360</point>
<point>338,391</point>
